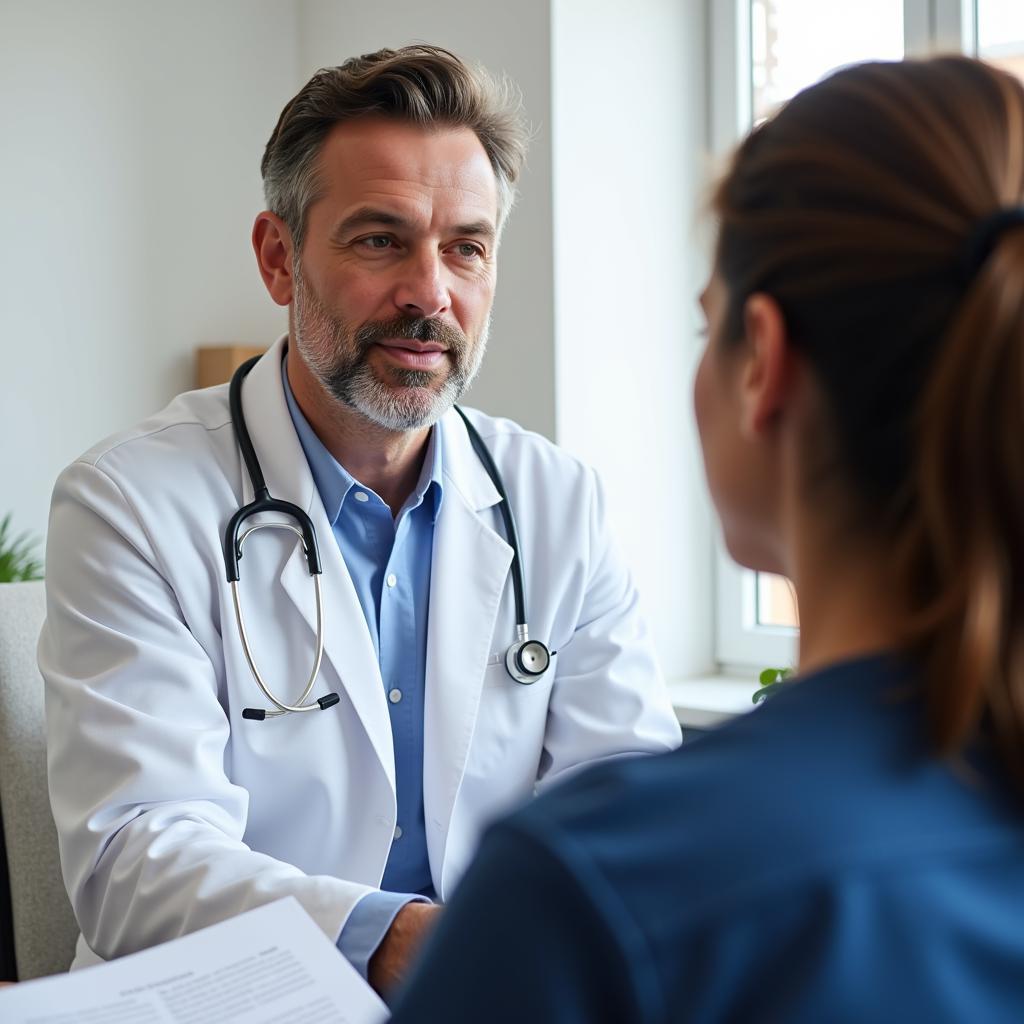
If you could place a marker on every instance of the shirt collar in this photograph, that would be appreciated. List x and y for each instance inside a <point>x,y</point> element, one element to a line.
<point>430,476</point>
<point>333,481</point>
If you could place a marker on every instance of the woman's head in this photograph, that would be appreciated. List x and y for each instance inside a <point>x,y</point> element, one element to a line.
<point>856,255</point>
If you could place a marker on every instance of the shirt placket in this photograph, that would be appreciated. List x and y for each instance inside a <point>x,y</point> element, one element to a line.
<point>398,620</point>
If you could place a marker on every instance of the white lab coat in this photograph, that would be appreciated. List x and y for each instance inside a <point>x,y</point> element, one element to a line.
<point>172,811</point>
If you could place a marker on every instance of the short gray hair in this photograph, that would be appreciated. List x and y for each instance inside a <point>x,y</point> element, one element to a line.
<point>424,85</point>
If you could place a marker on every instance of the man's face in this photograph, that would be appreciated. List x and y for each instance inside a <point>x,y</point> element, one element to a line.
<point>393,289</point>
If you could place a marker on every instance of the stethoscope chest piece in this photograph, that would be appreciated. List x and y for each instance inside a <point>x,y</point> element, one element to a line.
<point>527,660</point>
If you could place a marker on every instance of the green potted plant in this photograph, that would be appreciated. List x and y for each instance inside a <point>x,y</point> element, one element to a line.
<point>17,555</point>
<point>770,679</point>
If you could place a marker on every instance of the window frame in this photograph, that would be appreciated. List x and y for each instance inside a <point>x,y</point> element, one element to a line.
<point>929,26</point>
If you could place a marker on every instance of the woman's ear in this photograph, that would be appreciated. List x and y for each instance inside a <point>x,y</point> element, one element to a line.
<point>766,378</point>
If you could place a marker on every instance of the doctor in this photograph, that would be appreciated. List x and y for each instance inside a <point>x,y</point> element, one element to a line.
<point>388,181</point>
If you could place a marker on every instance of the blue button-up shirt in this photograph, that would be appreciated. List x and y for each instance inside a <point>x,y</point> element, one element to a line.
<point>388,559</point>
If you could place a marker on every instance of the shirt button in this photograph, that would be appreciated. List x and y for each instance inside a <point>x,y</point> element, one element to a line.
<point>398,831</point>
<point>362,496</point>
<point>392,580</point>
<point>395,696</point>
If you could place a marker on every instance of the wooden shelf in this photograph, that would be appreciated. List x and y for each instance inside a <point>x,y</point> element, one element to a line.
<point>216,363</point>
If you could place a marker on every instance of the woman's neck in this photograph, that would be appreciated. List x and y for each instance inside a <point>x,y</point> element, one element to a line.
<point>848,604</point>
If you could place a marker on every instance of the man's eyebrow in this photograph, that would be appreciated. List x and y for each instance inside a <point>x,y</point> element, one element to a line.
<point>370,216</point>
<point>367,216</point>
<point>482,228</point>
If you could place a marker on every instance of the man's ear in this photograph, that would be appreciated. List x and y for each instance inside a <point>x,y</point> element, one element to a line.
<point>272,242</point>
<point>768,372</point>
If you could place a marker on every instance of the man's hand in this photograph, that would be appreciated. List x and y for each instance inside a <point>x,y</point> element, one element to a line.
<point>388,966</point>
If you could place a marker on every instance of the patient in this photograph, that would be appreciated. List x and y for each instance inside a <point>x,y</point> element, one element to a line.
<point>854,849</point>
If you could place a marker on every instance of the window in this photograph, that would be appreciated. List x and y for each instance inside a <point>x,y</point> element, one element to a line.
<point>1000,32</point>
<point>763,52</point>
<point>796,42</point>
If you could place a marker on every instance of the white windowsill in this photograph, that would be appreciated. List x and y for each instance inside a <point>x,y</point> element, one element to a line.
<point>707,701</point>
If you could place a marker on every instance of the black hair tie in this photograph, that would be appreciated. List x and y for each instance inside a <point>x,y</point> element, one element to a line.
<point>984,237</point>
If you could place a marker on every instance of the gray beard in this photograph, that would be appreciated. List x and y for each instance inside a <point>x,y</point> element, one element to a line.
<point>409,399</point>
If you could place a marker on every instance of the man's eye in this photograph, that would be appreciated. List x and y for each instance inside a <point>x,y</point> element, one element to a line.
<point>376,242</point>
<point>468,251</point>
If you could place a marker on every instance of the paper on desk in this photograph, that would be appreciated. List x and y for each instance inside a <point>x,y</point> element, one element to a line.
<point>271,965</point>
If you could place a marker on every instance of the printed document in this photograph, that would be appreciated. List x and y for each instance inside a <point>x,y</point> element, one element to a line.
<point>271,965</point>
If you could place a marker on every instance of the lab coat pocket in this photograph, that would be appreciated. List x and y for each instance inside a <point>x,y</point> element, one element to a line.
<point>508,743</point>
<point>509,734</point>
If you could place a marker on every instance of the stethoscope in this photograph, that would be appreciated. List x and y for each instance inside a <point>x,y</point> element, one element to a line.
<point>525,661</point>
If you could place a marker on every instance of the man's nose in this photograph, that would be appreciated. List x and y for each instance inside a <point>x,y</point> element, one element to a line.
<point>422,289</point>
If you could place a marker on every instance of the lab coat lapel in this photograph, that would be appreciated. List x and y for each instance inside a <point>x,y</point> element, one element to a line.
<point>349,655</point>
<point>468,577</point>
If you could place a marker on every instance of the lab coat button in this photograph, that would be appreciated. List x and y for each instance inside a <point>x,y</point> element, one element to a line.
<point>392,580</point>
<point>395,696</point>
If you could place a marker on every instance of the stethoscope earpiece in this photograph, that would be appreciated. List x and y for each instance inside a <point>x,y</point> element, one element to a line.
<point>260,714</point>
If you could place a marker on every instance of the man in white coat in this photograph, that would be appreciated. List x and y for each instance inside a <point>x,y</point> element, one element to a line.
<point>391,177</point>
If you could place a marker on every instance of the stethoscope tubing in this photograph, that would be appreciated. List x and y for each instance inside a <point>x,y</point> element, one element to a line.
<point>300,702</point>
<point>526,660</point>
<point>505,507</point>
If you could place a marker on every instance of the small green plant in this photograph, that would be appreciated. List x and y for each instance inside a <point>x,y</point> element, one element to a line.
<point>770,679</point>
<point>17,555</point>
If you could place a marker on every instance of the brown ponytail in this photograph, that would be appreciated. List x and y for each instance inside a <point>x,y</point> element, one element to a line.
<point>857,207</point>
<point>966,546</point>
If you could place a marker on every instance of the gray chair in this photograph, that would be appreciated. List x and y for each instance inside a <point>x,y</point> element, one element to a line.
<point>43,925</point>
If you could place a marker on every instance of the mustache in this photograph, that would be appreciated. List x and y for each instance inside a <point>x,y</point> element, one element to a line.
<point>418,328</point>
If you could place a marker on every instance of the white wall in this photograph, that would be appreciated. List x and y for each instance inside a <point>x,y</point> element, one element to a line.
<point>132,134</point>
<point>517,378</point>
<point>629,159</point>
